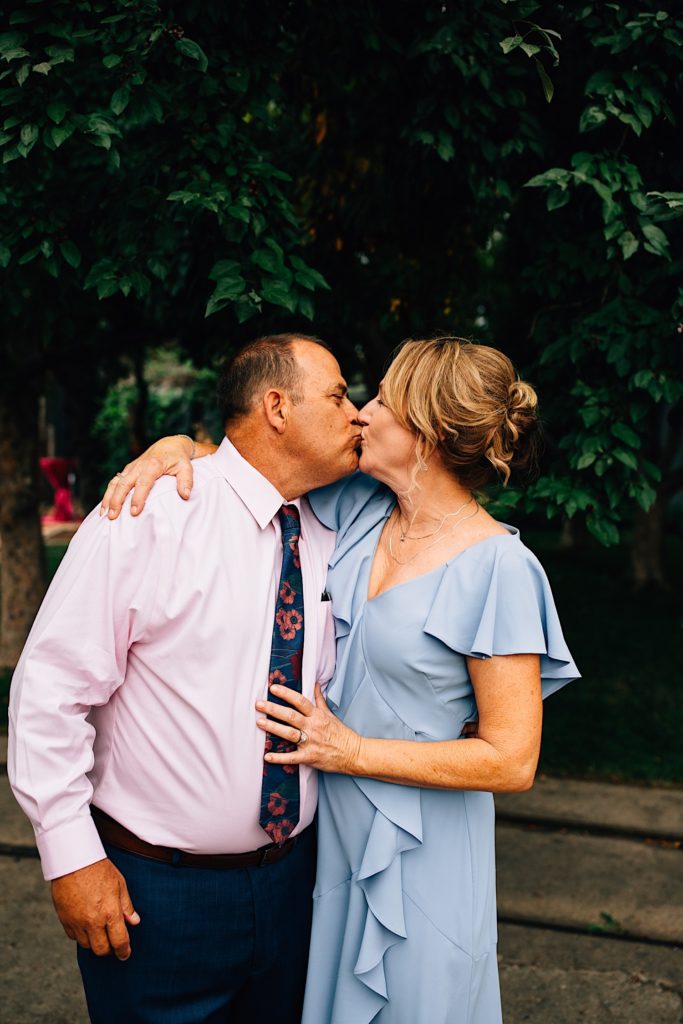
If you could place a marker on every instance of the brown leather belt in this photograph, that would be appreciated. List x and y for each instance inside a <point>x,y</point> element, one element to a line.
<point>117,835</point>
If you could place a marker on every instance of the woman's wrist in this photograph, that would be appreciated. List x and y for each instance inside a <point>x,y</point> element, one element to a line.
<point>354,759</point>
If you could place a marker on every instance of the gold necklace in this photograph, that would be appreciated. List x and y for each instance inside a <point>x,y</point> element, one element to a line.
<point>407,561</point>
<point>449,515</point>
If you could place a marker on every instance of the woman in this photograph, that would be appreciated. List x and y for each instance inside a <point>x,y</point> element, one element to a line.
<point>442,617</point>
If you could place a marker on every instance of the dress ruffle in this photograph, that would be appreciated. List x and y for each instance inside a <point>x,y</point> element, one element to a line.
<point>396,828</point>
<point>495,599</point>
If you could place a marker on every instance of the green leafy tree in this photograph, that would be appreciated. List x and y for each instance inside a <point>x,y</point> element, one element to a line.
<point>140,168</point>
<point>601,287</point>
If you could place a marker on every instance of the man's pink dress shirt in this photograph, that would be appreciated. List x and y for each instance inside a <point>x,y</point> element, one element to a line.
<point>137,684</point>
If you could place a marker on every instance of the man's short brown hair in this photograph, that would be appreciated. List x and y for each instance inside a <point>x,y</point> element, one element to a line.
<point>267,362</point>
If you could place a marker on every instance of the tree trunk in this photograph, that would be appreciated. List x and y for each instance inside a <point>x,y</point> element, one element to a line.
<point>22,565</point>
<point>647,549</point>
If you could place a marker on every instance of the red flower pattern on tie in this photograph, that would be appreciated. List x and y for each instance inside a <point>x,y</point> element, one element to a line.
<point>280,798</point>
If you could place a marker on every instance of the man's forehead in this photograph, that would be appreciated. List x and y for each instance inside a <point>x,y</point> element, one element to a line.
<point>318,363</point>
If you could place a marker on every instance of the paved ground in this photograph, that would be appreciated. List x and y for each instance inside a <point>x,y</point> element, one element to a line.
<point>590,895</point>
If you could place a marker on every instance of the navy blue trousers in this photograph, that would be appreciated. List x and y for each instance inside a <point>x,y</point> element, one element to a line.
<point>213,946</point>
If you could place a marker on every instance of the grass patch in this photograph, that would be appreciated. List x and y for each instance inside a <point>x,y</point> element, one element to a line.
<point>623,720</point>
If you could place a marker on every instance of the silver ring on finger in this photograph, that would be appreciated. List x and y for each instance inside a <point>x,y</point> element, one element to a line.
<point>303,738</point>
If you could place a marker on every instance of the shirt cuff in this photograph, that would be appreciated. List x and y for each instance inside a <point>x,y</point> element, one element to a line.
<point>68,847</point>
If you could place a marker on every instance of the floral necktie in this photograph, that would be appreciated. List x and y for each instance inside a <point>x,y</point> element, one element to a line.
<point>280,789</point>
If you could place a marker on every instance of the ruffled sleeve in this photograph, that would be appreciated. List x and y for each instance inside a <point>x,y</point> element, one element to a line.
<point>495,599</point>
<point>338,505</point>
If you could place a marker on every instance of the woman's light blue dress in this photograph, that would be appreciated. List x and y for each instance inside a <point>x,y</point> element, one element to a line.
<point>404,926</point>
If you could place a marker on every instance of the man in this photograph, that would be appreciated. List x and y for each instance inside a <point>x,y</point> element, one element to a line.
<point>133,740</point>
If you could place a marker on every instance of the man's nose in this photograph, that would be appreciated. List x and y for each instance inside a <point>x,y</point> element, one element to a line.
<point>352,411</point>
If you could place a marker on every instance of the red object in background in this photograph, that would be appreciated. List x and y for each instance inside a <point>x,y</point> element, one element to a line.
<point>56,471</point>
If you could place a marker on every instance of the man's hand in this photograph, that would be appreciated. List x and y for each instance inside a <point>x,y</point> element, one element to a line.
<point>94,907</point>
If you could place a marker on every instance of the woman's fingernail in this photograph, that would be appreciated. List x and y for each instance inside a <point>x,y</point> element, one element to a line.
<point>112,514</point>
<point>260,705</point>
<point>261,721</point>
<point>134,509</point>
<point>104,510</point>
<point>186,492</point>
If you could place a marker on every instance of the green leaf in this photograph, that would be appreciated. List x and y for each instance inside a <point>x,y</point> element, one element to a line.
<point>245,309</point>
<point>112,60</point>
<point>311,279</point>
<point>558,197</point>
<point>548,87</point>
<point>306,306</point>
<point>60,133</point>
<point>56,111</point>
<point>29,255</point>
<point>586,460</point>
<point>44,68</point>
<point>626,458</point>
<point>529,48</point>
<point>553,176</point>
<point>100,139</point>
<point>107,287</point>
<point>224,268</point>
<point>15,53</point>
<point>5,255</point>
<point>602,529</point>
<point>120,100</point>
<point>510,43</point>
<point>445,147</point>
<point>192,50</point>
<point>629,244</point>
<point>60,54</point>
<point>28,134</point>
<point>71,253</point>
<point>625,434</point>
<point>642,378</point>
<point>240,213</point>
<point>645,495</point>
<point>277,293</point>
<point>657,242</point>
<point>181,197</point>
<point>267,260</point>
<point>22,74</point>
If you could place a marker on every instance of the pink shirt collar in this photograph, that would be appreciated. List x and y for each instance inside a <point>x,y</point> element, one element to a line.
<point>256,492</point>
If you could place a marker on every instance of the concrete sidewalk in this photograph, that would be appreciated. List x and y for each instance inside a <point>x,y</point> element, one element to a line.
<point>590,897</point>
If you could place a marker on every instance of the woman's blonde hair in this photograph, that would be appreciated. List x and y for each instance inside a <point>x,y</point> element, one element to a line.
<point>465,401</point>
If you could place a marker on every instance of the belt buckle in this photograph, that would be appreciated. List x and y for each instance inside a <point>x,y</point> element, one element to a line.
<point>266,851</point>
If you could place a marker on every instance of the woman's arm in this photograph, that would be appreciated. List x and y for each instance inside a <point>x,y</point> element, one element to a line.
<point>169,456</point>
<point>501,758</point>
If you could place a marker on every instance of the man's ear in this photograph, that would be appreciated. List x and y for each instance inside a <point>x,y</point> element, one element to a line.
<point>276,407</point>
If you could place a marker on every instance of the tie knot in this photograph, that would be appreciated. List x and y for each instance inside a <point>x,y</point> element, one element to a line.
<point>289,520</point>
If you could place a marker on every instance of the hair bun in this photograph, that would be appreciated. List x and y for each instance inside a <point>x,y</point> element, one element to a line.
<point>521,398</point>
